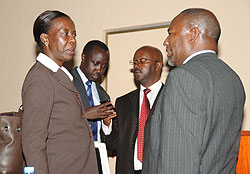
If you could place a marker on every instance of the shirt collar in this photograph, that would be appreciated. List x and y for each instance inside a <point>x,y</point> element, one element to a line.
<point>82,75</point>
<point>153,87</point>
<point>197,53</point>
<point>49,63</point>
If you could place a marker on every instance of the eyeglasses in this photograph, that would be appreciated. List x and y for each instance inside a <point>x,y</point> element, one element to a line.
<point>140,61</point>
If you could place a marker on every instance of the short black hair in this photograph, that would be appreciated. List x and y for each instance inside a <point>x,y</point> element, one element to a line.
<point>43,22</point>
<point>88,48</point>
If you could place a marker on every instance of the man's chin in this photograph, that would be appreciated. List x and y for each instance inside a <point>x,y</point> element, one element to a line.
<point>94,78</point>
<point>170,63</point>
<point>138,79</point>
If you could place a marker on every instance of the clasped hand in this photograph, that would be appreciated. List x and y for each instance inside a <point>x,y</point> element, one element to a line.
<point>102,111</point>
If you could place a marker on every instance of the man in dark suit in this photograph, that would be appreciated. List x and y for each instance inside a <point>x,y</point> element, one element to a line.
<point>196,125</point>
<point>94,63</point>
<point>147,68</point>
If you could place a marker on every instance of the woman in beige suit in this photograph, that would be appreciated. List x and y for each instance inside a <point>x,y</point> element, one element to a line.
<point>56,137</point>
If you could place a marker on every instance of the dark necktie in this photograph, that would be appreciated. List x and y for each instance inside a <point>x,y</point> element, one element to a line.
<point>145,108</point>
<point>91,103</point>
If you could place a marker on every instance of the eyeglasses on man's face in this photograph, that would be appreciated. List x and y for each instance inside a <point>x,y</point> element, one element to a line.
<point>141,61</point>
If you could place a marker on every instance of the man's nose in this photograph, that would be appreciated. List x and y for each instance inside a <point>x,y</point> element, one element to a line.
<point>165,43</point>
<point>136,65</point>
<point>72,39</point>
<point>98,68</point>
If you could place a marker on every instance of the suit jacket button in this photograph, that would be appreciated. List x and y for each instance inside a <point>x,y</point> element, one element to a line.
<point>90,135</point>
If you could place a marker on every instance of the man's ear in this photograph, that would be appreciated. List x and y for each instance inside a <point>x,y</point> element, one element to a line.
<point>193,34</point>
<point>44,39</point>
<point>83,57</point>
<point>159,66</point>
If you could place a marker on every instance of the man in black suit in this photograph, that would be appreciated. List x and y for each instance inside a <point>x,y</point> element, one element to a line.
<point>94,63</point>
<point>147,68</point>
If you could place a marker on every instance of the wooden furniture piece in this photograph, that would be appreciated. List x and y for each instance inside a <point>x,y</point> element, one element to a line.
<point>243,164</point>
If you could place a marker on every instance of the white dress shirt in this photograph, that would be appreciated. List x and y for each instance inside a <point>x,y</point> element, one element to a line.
<point>107,130</point>
<point>197,53</point>
<point>49,63</point>
<point>155,88</point>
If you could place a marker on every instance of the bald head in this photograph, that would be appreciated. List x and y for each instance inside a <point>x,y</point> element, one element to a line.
<point>154,52</point>
<point>148,65</point>
<point>192,30</point>
<point>204,20</point>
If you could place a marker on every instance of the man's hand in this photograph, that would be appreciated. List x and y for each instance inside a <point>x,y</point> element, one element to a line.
<point>102,111</point>
<point>107,120</point>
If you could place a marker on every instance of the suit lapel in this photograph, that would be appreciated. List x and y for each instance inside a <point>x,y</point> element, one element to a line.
<point>147,126</point>
<point>153,107</point>
<point>102,93</point>
<point>134,103</point>
<point>64,80</point>
<point>81,88</point>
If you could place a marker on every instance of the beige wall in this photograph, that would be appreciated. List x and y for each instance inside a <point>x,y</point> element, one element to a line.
<point>93,17</point>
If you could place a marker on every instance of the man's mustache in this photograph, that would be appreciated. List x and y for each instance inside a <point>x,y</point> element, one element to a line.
<point>133,70</point>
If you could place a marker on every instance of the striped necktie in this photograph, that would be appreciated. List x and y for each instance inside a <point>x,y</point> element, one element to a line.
<point>91,103</point>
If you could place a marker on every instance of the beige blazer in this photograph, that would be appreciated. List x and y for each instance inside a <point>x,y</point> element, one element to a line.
<point>56,138</point>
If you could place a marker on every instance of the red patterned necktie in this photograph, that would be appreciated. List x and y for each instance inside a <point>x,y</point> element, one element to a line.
<point>145,108</point>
